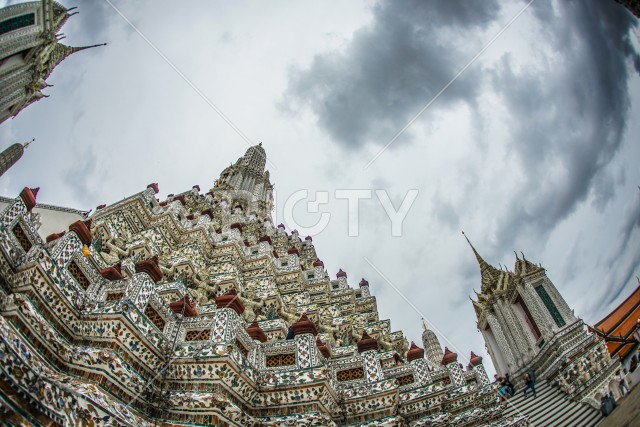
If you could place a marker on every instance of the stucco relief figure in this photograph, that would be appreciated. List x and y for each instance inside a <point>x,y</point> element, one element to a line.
<point>384,343</point>
<point>288,316</point>
<point>253,307</point>
<point>326,326</point>
<point>117,250</point>
<point>401,346</point>
<point>206,292</point>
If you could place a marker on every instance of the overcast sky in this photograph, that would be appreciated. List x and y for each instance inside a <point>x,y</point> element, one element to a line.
<point>533,148</point>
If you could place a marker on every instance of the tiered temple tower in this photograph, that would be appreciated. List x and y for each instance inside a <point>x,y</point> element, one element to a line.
<point>433,350</point>
<point>197,309</point>
<point>246,184</point>
<point>526,323</point>
<point>10,155</point>
<point>29,51</point>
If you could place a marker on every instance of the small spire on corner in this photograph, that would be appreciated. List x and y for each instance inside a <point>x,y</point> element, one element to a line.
<point>481,261</point>
<point>79,48</point>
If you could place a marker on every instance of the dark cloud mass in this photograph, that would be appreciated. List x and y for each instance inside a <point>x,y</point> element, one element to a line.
<point>391,69</point>
<point>628,243</point>
<point>562,90</point>
<point>568,118</point>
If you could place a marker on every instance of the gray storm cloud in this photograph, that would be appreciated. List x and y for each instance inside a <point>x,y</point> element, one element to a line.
<point>567,116</point>
<point>567,119</point>
<point>391,69</point>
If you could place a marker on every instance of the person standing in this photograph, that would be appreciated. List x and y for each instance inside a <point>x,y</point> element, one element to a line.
<point>507,382</point>
<point>529,380</point>
<point>622,383</point>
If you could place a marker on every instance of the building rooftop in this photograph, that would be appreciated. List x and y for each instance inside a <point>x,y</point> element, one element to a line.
<point>618,327</point>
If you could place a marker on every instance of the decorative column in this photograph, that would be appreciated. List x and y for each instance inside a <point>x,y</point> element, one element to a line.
<point>368,349</point>
<point>450,361</point>
<point>149,194</point>
<point>25,203</point>
<point>538,311</point>
<point>509,332</point>
<point>478,369</point>
<point>318,268</point>
<point>504,348</point>
<point>305,337</point>
<point>342,279</point>
<point>364,286</point>
<point>17,239</point>
<point>229,313</point>
<point>415,357</point>
<point>522,341</point>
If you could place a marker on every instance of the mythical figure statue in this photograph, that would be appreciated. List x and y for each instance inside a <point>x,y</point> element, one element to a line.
<point>253,307</point>
<point>326,326</point>
<point>117,250</point>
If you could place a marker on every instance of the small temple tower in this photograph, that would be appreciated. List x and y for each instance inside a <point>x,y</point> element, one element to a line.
<point>526,324</point>
<point>30,49</point>
<point>518,311</point>
<point>433,350</point>
<point>246,184</point>
<point>11,155</point>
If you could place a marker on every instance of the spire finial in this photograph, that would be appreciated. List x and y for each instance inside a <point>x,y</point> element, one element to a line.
<point>79,48</point>
<point>26,144</point>
<point>516,255</point>
<point>482,262</point>
<point>424,325</point>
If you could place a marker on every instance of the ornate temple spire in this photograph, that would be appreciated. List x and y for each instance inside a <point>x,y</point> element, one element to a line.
<point>57,54</point>
<point>254,160</point>
<point>483,264</point>
<point>246,183</point>
<point>11,155</point>
<point>433,350</point>
<point>489,273</point>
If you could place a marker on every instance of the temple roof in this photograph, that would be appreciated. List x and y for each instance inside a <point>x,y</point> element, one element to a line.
<point>56,55</point>
<point>618,327</point>
<point>492,278</point>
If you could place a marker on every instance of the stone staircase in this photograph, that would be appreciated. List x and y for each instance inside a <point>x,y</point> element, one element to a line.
<point>552,408</point>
